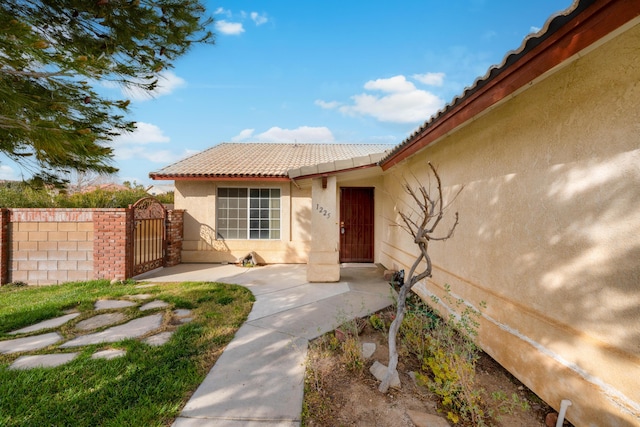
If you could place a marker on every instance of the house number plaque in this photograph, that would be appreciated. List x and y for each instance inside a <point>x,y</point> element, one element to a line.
<point>323,211</point>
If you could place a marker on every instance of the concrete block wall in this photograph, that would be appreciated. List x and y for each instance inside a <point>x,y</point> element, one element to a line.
<point>51,246</point>
<point>5,216</point>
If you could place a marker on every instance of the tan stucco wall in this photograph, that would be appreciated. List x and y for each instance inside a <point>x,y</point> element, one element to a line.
<point>549,232</point>
<point>323,263</point>
<point>198,199</point>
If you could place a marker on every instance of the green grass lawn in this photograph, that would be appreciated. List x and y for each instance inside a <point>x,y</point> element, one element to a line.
<point>146,387</point>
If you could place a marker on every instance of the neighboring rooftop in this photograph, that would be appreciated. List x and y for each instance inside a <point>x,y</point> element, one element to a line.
<point>262,160</point>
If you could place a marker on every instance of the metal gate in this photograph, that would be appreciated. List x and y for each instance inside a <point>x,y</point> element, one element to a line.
<point>149,235</point>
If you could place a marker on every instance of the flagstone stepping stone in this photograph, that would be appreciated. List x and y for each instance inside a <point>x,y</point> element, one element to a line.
<point>47,324</point>
<point>132,329</point>
<point>150,285</point>
<point>154,304</point>
<point>101,320</point>
<point>158,339</point>
<point>141,296</point>
<point>368,348</point>
<point>108,354</point>
<point>42,361</point>
<point>183,315</point>
<point>380,372</point>
<point>35,342</point>
<point>105,304</point>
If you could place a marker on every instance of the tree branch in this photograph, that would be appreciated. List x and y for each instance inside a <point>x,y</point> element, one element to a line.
<point>35,74</point>
<point>429,208</point>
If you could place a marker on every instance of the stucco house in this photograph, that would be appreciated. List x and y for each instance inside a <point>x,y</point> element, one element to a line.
<point>263,198</point>
<point>547,147</point>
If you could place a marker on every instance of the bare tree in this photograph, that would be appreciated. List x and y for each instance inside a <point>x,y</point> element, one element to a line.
<point>79,181</point>
<point>430,212</point>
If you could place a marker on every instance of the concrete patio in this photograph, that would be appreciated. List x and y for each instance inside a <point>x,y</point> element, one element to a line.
<point>259,379</point>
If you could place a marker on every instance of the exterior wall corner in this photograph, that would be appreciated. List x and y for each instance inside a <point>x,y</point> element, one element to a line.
<point>324,265</point>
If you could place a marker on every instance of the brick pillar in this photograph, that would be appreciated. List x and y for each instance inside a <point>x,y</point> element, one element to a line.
<point>175,221</point>
<point>112,234</point>
<point>5,216</point>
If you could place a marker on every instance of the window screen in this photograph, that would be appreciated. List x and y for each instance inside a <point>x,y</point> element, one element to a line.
<point>248,213</point>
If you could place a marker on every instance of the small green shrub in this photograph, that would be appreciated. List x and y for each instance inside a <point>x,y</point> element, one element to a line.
<point>377,323</point>
<point>505,405</point>
<point>414,333</point>
<point>448,355</point>
<point>24,195</point>
<point>351,354</point>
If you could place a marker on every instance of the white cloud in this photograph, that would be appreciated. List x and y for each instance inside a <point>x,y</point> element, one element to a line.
<point>229,28</point>
<point>243,135</point>
<point>143,153</point>
<point>233,25</point>
<point>167,83</point>
<point>222,11</point>
<point>432,79</point>
<point>259,19</point>
<point>533,29</point>
<point>8,173</point>
<point>401,102</point>
<point>302,134</point>
<point>392,84</point>
<point>327,105</point>
<point>145,133</point>
<point>141,144</point>
<point>140,153</point>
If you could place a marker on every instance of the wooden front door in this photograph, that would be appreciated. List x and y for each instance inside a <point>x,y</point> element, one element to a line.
<point>356,224</point>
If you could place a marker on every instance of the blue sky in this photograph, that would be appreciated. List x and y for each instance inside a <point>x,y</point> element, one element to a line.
<point>319,71</point>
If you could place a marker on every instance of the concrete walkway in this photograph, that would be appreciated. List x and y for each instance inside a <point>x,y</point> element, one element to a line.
<point>259,378</point>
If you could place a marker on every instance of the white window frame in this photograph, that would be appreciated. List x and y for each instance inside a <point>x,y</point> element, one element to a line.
<point>248,213</point>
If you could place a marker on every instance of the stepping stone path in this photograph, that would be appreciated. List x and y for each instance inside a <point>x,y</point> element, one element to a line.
<point>100,320</point>
<point>108,354</point>
<point>368,348</point>
<point>43,360</point>
<point>153,305</point>
<point>136,328</point>
<point>47,324</point>
<point>29,343</point>
<point>132,329</point>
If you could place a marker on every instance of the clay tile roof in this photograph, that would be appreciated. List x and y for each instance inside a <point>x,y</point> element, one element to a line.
<point>261,160</point>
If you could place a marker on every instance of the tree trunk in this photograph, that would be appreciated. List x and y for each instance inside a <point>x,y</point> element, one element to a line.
<point>393,333</point>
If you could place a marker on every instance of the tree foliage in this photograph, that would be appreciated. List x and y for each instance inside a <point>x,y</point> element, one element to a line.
<point>35,195</point>
<point>54,53</point>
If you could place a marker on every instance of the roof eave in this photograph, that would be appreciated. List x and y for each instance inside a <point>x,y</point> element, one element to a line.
<point>207,177</point>
<point>336,166</point>
<point>334,172</point>
<point>587,22</point>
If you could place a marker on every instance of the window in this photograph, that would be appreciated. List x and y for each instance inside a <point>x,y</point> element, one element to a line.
<point>248,213</point>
